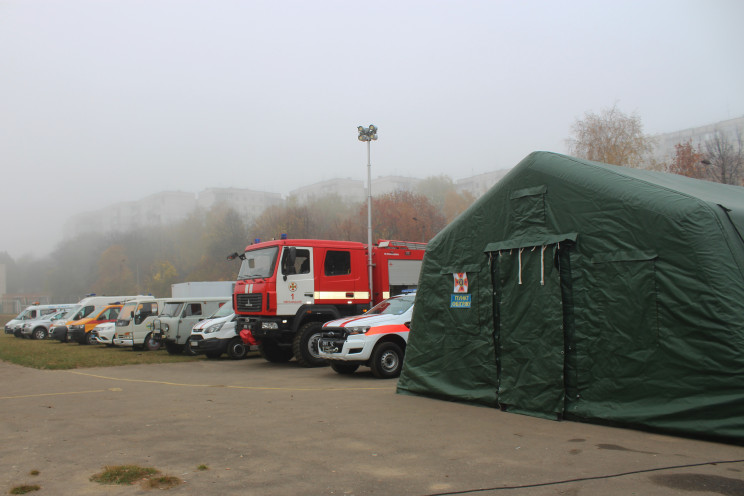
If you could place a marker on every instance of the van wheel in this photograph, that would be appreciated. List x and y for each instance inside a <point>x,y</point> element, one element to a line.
<point>272,352</point>
<point>188,349</point>
<point>39,333</point>
<point>151,343</point>
<point>89,338</point>
<point>305,345</point>
<point>173,348</point>
<point>343,368</point>
<point>236,349</point>
<point>386,361</point>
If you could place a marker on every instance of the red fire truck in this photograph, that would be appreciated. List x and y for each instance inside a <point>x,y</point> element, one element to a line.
<point>287,289</point>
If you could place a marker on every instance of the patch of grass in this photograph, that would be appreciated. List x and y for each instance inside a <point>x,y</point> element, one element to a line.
<point>24,489</point>
<point>123,474</point>
<point>162,482</point>
<point>52,354</point>
<point>202,467</point>
<point>34,472</point>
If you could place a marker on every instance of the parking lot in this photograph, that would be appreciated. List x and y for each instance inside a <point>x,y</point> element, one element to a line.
<point>278,429</point>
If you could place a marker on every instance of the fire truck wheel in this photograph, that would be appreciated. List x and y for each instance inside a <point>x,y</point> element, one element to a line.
<point>39,333</point>
<point>236,348</point>
<point>173,348</point>
<point>151,344</point>
<point>305,345</point>
<point>386,361</point>
<point>272,352</point>
<point>343,368</point>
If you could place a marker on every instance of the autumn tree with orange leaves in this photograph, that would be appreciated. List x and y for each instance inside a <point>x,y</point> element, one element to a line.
<point>687,161</point>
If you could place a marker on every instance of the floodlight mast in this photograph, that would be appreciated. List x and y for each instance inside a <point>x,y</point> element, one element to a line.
<point>369,134</point>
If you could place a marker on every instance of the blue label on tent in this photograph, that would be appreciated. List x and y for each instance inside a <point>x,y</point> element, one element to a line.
<point>460,301</point>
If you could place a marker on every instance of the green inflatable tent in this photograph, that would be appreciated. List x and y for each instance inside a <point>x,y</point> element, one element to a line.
<point>585,291</point>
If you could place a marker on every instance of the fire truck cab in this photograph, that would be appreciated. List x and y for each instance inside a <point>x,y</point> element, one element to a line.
<point>287,289</point>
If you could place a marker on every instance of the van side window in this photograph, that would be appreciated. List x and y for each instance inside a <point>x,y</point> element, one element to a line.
<point>337,263</point>
<point>192,309</point>
<point>109,314</point>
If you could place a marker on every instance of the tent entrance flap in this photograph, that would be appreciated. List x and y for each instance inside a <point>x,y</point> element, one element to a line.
<point>529,327</point>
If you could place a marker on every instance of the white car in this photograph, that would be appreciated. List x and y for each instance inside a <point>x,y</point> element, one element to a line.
<point>376,339</point>
<point>216,335</point>
<point>104,333</point>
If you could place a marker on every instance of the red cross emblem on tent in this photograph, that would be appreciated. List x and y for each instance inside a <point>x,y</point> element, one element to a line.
<point>461,282</point>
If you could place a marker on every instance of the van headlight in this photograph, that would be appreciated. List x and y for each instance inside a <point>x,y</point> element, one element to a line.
<point>357,329</point>
<point>214,328</point>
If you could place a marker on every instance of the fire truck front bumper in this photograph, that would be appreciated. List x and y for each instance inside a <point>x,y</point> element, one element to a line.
<point>265,328</point>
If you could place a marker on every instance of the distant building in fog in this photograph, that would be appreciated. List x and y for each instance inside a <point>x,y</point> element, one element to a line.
<point>167,208</point>
<point>247,203</point>
<point>664,149</point>
<point>348,189</point>
<point>479,184</point>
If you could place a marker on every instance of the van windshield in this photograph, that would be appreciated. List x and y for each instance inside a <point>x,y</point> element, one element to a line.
<point>258,263</point>
<point>55,316</point>
<point>68,313</point>
<point>83,312</point>
<point>223,311</point>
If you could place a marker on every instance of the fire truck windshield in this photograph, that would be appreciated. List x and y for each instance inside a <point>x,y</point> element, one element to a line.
<point>258,263</point>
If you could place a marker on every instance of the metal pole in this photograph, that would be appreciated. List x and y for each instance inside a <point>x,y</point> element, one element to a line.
<point>368,134</point>
<point>369,223</point>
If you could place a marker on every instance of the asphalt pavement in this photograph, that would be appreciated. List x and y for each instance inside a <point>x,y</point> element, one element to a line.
<point>279,429</point>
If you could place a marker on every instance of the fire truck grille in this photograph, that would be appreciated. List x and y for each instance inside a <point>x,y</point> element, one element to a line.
<point>249,302</point>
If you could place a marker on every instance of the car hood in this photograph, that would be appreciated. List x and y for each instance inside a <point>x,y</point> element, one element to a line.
<point>208,322</point>
<point>370,320</point>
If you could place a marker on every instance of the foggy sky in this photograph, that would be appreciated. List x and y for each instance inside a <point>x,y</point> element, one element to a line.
<point>104,101</point>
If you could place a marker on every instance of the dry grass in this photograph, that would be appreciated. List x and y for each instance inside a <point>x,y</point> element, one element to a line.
<point>52,354</point>
<point>131,474</point>
<point>24,489</point>
<point>123,474</point>
<point>162,482</point>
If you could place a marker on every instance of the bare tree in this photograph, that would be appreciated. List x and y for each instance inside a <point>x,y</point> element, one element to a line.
<point>725,158</point>
<point>611,137</point>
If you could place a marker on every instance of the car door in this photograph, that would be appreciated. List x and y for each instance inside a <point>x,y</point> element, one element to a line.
<point>192,313</point>
<point>295,283</point>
